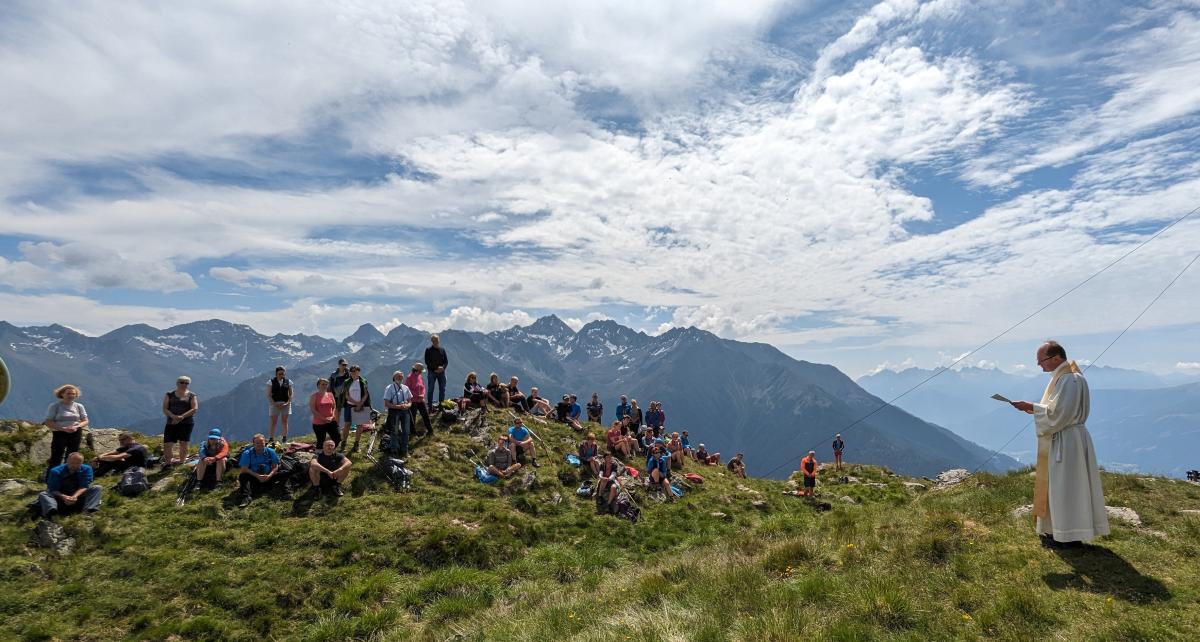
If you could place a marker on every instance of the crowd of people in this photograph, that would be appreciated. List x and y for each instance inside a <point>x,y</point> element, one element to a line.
<point>341,407</point>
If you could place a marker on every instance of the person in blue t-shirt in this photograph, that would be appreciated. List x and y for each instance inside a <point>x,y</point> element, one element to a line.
<point>69,489</point>
<point>574,413</point>
<point>658,468</point>
<point>623,409</point>
<point>258,467</point>
<point>522,441</point>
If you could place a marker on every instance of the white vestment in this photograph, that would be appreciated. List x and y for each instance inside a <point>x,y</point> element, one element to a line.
<point>1072,501</point>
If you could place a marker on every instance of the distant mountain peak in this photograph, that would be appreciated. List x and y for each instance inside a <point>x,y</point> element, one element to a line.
<point>366,333</point>
<point>549,326</point>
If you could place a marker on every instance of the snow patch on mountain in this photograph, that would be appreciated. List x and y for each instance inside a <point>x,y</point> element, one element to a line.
<point>166,348</point>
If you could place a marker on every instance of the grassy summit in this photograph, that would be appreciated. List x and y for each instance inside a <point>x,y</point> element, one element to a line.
<point>455,559</point>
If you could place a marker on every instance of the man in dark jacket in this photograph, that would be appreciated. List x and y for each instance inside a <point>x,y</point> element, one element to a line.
<point>436,361</point>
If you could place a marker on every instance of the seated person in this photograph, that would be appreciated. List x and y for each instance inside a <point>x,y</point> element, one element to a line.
<point>536,404</point>
<point>606,481</point>
<point>522,441</point>
<point>473,393</point>
<point>258,467</point>
<point>574,412</point>
<point>614,435</point>
<point>562,409</point>
<point>646,442</point>
<point>675,447</point>
<point>501,461</point>
<point>497,393</point>
<point>595,409</point>
<point>704,457</point>
<point>515,396</point>
<point>69,489</point>
<point>686,443</point>
<point>658,469</point>
<point>127,455</point>
<point>213,452</point>
<point>328,469</point>
<point>737,466</point>
<point>587,452</point>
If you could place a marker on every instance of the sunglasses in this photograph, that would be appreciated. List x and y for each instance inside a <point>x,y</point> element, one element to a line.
<point>182,383</point>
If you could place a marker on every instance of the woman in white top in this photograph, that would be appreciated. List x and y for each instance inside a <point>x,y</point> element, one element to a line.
<point>66,418</point>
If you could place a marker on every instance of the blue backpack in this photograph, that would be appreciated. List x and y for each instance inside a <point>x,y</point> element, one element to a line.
<point>572,459</point>
<point>484,476</point>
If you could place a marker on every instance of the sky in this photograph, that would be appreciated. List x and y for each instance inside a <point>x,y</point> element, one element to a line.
<point>857,183</point>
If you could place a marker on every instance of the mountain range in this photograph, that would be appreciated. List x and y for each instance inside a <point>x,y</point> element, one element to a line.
<point>734,396</point>
<point>1139,420</point>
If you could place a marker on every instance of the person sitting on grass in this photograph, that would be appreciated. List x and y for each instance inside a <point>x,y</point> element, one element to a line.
<point>501,461</point>
<point>595,409</point>
<point>704,457</point>
<point>809,467</point>
<point>606,481</point>
<point>536,404</point>
<point>686,443</point>
<point>647,441</point>
<point>328,470</point>
<point>473,394</point>
<point>213,452</point>
<point>562,409</point>
<point>658,468</point>
<point>522,441</point>
<point>675,447</point>
<point>127,455</point>
<point>737,466</point>
<point>258,467</point>
<point>516,398</point>
<point>587,452</point>
<point>497,393</point>
<point>574,412</point>
<point>69,489</point>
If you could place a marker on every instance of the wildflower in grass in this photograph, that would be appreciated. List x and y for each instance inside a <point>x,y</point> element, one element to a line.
<point>966,617</point>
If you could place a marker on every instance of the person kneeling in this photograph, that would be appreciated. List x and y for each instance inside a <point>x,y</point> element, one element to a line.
<point>501,461</point>
<point>328,469</point>
<point>258,467</point>
<point>69,489</point>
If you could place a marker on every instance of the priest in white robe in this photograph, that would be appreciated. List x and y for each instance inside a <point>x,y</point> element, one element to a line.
<point>1068,502</point>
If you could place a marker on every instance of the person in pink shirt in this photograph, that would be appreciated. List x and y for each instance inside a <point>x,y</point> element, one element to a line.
<point>416,384</point>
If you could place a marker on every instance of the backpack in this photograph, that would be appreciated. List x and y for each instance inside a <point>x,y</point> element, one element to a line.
<point>484,476</point>
<point>626,509</point>
<point>572,459</point>
<point>585,489</point>
<point>677,490</point>
<point>292,472</point>
<point>133,482</point>
<point>299,447</point>
<point>396,472</point>
<point>694,478</point>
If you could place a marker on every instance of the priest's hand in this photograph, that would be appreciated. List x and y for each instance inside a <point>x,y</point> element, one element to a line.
<point>1023,406</point>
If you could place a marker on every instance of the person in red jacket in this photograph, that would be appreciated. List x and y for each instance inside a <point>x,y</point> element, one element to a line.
<point>808,466</point>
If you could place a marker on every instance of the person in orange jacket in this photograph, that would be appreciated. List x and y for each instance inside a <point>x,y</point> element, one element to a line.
<point>808,466</point>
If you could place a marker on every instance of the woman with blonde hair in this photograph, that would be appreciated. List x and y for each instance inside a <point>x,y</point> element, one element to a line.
<point>66,418</point>
<point>473,393</point>
<point>497,393</point>
<point>179,406</point>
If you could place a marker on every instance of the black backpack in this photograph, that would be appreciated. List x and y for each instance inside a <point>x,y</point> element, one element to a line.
<point>133,482</point>
<point>627,510</point>
<point>292,472</point>
<point>396,472</point>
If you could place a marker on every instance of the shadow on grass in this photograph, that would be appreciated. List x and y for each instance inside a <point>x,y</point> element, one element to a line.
<point>1099,570</point>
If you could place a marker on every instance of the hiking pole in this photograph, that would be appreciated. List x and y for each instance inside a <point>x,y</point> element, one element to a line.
<point>535,436</point>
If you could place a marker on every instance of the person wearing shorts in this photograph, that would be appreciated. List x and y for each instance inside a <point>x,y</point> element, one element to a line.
<point>179,406</point>
<point>838,447</point>
<point>809,467</point>
<point>358,406</point>
<point>279,392</point>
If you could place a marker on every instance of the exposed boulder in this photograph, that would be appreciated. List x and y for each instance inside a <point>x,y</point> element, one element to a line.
<point>16,486</point>
<point>951,477</point>
<point>48,534</point>
<point>1124,514</point>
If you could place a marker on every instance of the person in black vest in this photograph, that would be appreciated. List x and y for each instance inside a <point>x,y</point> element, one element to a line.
<point>337,383</point>
<point>436,361</point>
<point>180,406</point>
<point>128,455</point>
<point>279,392</point>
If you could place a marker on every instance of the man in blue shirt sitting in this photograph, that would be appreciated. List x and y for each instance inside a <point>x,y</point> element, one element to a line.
<point>574,413</point>
<point>522,441</point>
<point>258,467</point>
<point>69,489</point>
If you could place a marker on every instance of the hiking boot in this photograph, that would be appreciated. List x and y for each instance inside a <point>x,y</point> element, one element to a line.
<point>244,502</point>
<point>337,490</point>
<point>314,492</point>
<point>536,465</point>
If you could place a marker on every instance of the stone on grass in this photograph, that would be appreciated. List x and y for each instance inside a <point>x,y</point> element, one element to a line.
<point>15,486</point>
<point>914,485</point>
<point>759,504</point>
<point>718,515</point>
<point>846,499</point>
<point>529,482</point>
<point>952,477</point>
<point>1123,514</point>
<point>1023,511</point>
<point>5,465</point>
<point>48,534</point>
<point>161,485</point>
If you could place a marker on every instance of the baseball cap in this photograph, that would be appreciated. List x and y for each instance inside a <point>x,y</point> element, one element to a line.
<point>215,433</point>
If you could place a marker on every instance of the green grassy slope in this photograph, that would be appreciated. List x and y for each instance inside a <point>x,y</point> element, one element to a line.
<point>455,559</point>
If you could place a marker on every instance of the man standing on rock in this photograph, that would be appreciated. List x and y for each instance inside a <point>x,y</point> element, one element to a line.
<point>838,447</point>
<point>1068,501</point>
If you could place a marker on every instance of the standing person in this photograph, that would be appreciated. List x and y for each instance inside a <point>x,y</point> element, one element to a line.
<point>656,418</point>
<point>358,406</point>
<point>1068,501</point>
<point>258,467</point>
<point>279,393</point>
<point>328,469</point>
<point>436,360</point>
<point>838,447</point>
<point>635,416</point>
<point>213,452</point>
<point>69,488</point>
<point>416,385</point>
<point>809,467</point>
<point>337,383</point>
<point>180,406</point>
<point>323,406</point>
<point>595,409</point>
<point>397,398</point>
<point>66,419</point>
<point>128,455</point>
<point>623,410</point>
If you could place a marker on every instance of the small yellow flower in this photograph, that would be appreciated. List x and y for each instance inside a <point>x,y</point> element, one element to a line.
<point>849,545</point>
<point>966,617</point>
<point>571,615</point>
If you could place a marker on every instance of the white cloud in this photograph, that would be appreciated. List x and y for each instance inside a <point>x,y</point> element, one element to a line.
<point>1188,366</point>
<point>83,266</point>
<point>473,318</point>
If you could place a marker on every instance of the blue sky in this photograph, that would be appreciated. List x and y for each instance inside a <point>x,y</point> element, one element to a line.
<point>864,184</point>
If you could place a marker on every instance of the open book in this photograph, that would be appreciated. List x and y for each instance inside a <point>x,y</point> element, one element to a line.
<point>1000,397</point>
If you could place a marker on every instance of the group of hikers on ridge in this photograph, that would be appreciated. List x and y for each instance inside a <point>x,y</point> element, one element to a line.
<point>345,395</point>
